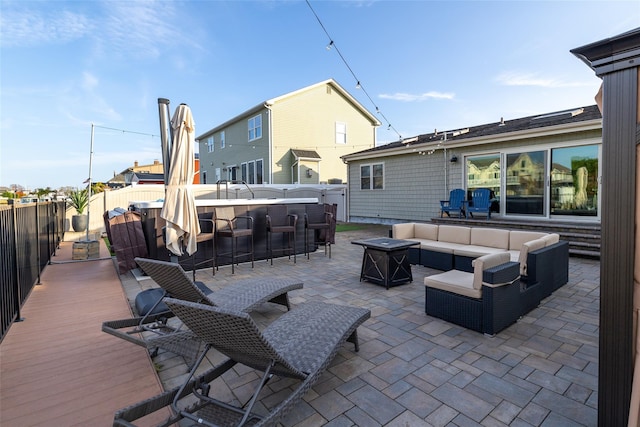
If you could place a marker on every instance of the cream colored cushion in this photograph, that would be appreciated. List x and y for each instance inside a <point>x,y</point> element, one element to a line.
<point>454,234</point>
<point>490,237</point>
<point>446,247</point>
<point>485,262</point>
<point>473,251</point>
<point>403,231</point>
<point>426,231</point>
<point>527,247</point>
<point>517,238</point>
<point>458,282</point>
<point>551,239</point>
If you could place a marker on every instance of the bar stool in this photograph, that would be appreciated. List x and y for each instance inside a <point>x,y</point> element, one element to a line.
<point>279,220</point>
<point>206,234</point>
<point>227,225</point>
<point>318,220</point>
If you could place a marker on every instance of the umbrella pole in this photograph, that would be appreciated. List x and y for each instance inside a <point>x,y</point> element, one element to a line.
<point>165,137</point>
<point>165,144</point>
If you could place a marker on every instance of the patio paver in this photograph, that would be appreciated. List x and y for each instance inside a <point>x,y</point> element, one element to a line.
<point>413,369</point>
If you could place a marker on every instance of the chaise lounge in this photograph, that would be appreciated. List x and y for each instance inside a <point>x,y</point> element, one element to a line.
<point>299,345</point>
<point>243,295</point>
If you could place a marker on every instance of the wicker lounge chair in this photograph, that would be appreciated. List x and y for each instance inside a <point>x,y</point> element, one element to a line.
<point>300,345</point>
<point>244,295</point>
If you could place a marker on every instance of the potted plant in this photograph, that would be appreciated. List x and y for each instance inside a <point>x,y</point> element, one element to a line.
<point>79,199</point>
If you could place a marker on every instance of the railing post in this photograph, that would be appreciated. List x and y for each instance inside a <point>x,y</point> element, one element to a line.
<point>14,248</point>
<point>38,233</point>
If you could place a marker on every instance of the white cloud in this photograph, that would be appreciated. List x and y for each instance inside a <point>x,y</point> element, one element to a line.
<point>409,97</point>
<point>514,78</point>
<point>25,28</point>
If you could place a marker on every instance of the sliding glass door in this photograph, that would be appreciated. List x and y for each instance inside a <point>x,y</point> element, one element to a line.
<point>484,172</point>
<point>553,182</point>
<point>525,183</point>
<point>574,180</point>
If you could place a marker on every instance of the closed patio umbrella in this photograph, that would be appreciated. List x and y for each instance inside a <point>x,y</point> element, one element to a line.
<point>179,208</point>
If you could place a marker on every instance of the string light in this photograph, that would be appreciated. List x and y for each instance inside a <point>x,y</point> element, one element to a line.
<point>127,131</point>
<point>359,85</point>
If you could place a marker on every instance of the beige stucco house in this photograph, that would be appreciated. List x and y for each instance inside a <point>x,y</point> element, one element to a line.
<point>296,138</point>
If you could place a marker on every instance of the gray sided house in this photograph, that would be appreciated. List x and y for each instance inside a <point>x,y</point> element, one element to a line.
<point>545,167</point>
<point>297,138</point>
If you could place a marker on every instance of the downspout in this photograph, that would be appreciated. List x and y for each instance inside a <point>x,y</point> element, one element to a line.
<point>446,173</point>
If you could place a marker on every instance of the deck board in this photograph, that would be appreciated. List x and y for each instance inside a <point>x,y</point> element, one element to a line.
<point>57,367</point>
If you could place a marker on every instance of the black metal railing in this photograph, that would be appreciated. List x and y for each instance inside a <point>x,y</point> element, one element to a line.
<point>29,236</point>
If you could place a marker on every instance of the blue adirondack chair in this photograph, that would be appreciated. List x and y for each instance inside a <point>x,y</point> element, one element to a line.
<point>480,202</point>
<point>455,204</point>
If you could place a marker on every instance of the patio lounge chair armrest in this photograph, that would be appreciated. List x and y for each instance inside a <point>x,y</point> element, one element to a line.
<point>134,324</point>
<point>125,416</point>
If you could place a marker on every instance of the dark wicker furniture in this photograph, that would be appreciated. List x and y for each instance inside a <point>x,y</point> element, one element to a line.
<point>243,295</point>
<point>498,306</point>
<point>228,225</point>
<point>319,221</point>
<point>280,221</point>
<point>299,345</point>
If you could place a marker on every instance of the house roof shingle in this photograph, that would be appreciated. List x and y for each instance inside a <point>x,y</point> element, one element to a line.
<point>307,154</point>
<point>557,118</point>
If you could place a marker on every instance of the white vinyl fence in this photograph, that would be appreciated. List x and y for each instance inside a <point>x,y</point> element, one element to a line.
<point>122,198</point>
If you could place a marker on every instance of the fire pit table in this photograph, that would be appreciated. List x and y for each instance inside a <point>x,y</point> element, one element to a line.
<point>385,261</point>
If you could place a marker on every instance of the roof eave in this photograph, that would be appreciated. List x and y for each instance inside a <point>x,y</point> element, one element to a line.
<point>235,119</point>
<point>481,140</point>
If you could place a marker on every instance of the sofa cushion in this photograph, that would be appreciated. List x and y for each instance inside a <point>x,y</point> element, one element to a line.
<point>473,251</point>
<point>458,282</point>
<point>454,234</point>
<point>425,231</point>
<point>490,237</point>
<point>438,246</point>
<point>485,262</point>
<point>403,231</point>
<point>517,238</point>
<point>551,239</point>
<point>527,247</point>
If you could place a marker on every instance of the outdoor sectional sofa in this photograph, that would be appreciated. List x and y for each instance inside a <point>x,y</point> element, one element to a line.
<point>542,259</point>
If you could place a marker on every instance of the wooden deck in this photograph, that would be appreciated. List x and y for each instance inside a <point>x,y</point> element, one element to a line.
<point>57,368</point>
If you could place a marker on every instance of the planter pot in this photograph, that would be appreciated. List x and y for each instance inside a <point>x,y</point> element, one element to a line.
<point>79,222</point>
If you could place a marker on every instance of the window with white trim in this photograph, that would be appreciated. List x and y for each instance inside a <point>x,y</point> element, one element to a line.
<point>252,172</point>
<point>341,133</point>
<point>210,144</point>
<point>222,141</point>
<point>259,172</point>
<point>255,127</point>
<point>243,172</point>
<point>372,176</point>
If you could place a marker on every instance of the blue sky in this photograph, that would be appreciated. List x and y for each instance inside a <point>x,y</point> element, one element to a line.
<point>425,64</point>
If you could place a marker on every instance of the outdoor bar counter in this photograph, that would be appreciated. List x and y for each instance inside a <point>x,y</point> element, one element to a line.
<point>152,225</point>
